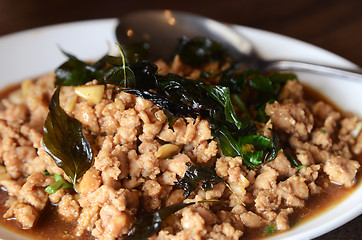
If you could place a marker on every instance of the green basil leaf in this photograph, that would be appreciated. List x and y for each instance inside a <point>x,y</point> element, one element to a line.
<point>261,83</point>
<point>229,146</point>
<point>260,142</point>
<point>64,141</point>
<point>222,96</point>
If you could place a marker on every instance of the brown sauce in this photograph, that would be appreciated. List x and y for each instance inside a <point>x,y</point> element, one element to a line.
<point>51,226</point>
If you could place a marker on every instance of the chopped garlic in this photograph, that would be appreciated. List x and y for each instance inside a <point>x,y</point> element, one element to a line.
<point>92,93</point>
<point>167,150</point>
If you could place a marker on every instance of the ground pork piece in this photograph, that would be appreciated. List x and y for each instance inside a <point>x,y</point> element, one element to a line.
<point>225,231</point>
<point>291,92</point>
<point>190,130</point>
<point>326,117</point>
<point>291,118</point>
<point>319,156</point>
<point>267,179</point>
<point>85,114</point>
<point>341,170</point>
<point>90,181</point>
<point>106,162</point>
<point>205,151</point>
<point>57,196</point>
<point>33,191</point>
<point>236,176</point>
<point>176,164</point>
<point>68,208</point>
<point>267,201</point>
<point>153,122</point>
<point>321,138</point>
<point>176,196</point>
<point>113,207</point>
<point>293,190</point>
<point>106,113</point>
<point>357,148</point>
<point>16,158</point>
<point>151,188</point>
<point>252,220</point>
<point>282,165</point>
<point>146,165</point>
<point>233,217</point>
<point>193,222</point>
<point>305,157</point>
<point>32,134</point>
<point>282,219</point>
<point>112,223</point>
<point>87,219</point>
<point>216,192</point>
<point>24,214</point>
<point>310,173</point>
<point>14,112</point>
<point>12,186</point>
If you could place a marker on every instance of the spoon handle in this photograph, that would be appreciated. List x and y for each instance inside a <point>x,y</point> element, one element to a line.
<point>350,74</point>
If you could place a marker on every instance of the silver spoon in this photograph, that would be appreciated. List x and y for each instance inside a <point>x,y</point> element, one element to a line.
<point>163,28</point>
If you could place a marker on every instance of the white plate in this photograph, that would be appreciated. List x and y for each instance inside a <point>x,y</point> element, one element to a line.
<point>35,52</point>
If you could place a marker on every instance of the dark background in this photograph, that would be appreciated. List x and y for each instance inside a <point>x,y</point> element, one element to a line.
<point>335,25</point>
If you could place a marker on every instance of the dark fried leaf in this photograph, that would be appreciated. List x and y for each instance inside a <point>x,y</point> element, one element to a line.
<point>176,109</point>
<point>150,224</point>
<point>274,147</point>
<point>75,72</point>
<point>199,50</point>
<point>292,160</point>
<point>121,76</point>
<point>64,141</point>
<point>196,174</point>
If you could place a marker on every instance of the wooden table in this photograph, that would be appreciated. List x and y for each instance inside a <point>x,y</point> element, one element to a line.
<point>334,25</point>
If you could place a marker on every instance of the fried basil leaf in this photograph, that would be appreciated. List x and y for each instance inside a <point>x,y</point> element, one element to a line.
<point>222,96</point>
<point>292,160</point>
<point>107,70</point>
<point>150,224</point>
<point>64,141</point>
<point>196,174</point>
<point>199,50</point>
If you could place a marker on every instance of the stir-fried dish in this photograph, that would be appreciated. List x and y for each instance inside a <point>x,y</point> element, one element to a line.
<point>201,147</point>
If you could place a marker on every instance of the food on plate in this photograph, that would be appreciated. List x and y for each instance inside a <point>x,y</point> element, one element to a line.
<point>198,148</point>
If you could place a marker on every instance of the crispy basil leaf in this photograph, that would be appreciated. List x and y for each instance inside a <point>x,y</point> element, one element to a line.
<point>199,50</point>
<point>121,76</point>
<point>150,224</point>
<point>196,174</point>
<point>176,109</point>
<point>64,141</point>
<point>292,160</point>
